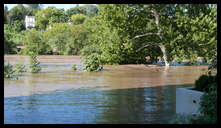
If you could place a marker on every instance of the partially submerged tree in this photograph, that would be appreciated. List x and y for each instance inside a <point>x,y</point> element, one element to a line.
<point>164,26</point>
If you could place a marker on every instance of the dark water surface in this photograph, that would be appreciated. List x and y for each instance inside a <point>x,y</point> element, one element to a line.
<point>119,94</point>
<point>140,105</point>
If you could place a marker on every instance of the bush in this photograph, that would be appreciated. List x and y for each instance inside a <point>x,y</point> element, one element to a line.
<point>34,42</point>
<point>209,104</point>
<point>204,82</point>
<point>20,68</point>
<point>34,63</point>
<point>78,18</point>
<point>74,67</point>
<point>92,62</point>
<point>8,70</point>
<point>208,108</point>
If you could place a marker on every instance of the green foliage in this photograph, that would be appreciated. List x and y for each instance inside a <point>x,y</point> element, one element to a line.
<point>13,36</point>
<point>174,25</point>
<point>92,62</point>
<point>17,13</point>
<point>208,110</point>
<point>66,39</point>
<point>89,10</point>
<point>74,67</point>
<point>50,15</point>
<point>197,33</point>
<point>20,68</point>
<point>209,104</point>
<point>78,18</point>
<point>34,42</point>
<point>208,107</point>
<point>76,10</point>
<point>8,42</point>
<point>187,30</point>
<point>205,82</point>
<point>105,42</point>
<point>33,8</point>
<point>34,63</point>
<point>8,70</point>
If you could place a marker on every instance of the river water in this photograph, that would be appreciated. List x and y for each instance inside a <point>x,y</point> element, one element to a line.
<point>118,94</point>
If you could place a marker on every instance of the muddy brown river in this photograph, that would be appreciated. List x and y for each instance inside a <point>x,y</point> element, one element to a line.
<point>118,94</point>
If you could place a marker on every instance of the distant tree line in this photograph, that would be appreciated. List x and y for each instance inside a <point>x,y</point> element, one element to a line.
<point>116,33</point>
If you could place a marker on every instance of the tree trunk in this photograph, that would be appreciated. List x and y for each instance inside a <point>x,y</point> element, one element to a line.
<point>163,49</point>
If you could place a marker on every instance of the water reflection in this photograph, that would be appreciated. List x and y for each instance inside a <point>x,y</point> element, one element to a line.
<point>138,105</point>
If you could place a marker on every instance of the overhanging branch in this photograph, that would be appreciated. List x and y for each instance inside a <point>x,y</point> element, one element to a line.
<point>149,44</point>
<point>146,34</point>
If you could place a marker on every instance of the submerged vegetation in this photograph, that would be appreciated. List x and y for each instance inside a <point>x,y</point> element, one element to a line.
<point>8,70</point>
<point>92,63</point>
<point>11,71</point>
<point>74,67</point>
<point>34,63</point>
<point>20,68</point>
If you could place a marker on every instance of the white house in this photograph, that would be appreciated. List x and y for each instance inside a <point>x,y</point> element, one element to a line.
<point>29,22</point>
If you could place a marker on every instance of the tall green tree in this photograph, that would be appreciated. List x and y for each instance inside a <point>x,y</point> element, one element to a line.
<point>33,8</point>
<point>17,14</point>
<point>34,42</point>
<point>66,39</point>
<point>156,25</point>
<point>50,15</point>
<point>91,10</point>
<point>78,18</point>
<point>103,42</point>
<point>88,10</point>
<point>76,10</point>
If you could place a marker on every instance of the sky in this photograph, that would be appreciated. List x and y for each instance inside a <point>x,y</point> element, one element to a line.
<point>65,6</point>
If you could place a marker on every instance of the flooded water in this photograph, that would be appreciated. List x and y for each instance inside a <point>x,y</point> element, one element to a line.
<point>119,94</point>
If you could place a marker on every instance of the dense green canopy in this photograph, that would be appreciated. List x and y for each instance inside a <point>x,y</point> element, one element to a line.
<point>117,33</point>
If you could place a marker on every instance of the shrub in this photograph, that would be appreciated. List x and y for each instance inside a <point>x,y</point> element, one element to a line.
<point>78,18</point>
<point>74,67</point>
<point>20,68</point>
<point>8,70</point>
<point>208,108</point>
<point>34,63</point>
<point>209,104</point>
<point>34,42</point>
<point>204,82</point>
<point>92,62</point>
